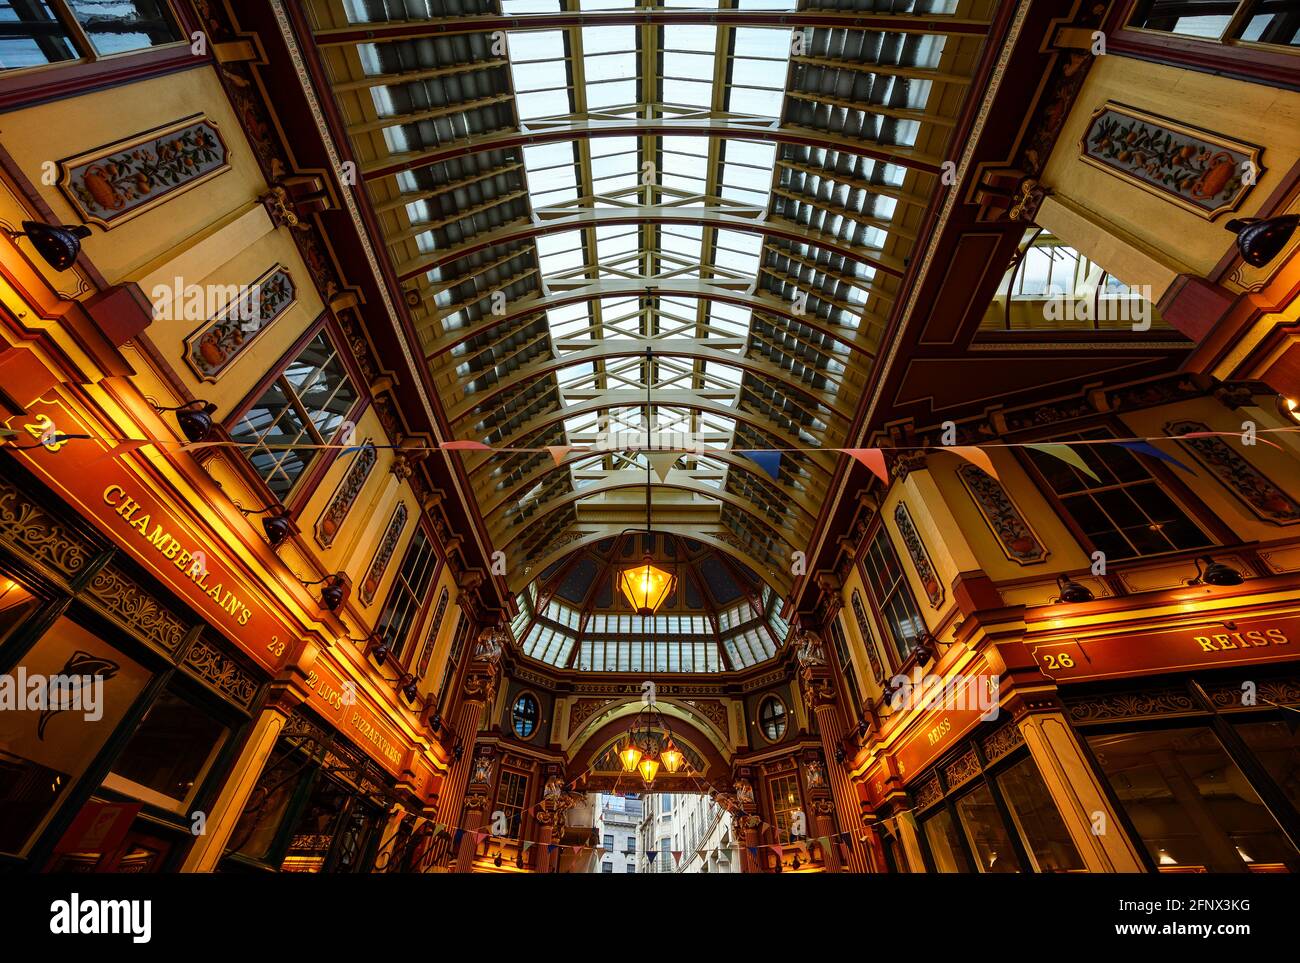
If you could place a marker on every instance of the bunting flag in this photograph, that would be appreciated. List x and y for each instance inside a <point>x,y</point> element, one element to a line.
<point>873,459</point>
<point>1146,448</point>
<point>121,448</point>
<point>455,840</point>
<point>677,856</point>
<point>662,462</point>
<point>559,453</point>
<point>577,850</point>
<point>551,848</point>
<point>651,854</point>
<point>780,851</point>
<point>1066,454</point>
<point>464,446</point>
<point>769,461</point>
<point>528,844</point>
<point>977,457</point>
<point>753,852</point>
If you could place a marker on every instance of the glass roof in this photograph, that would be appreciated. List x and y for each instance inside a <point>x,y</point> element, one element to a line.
<point>564,183</point>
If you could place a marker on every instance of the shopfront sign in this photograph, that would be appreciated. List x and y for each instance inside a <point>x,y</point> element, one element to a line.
<point>336,700</point>
<point>1213,645</point>
<point>107,492</point>
<point>957,709</point>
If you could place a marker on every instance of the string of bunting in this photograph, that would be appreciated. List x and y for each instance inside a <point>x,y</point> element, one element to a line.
<point>664,458</point>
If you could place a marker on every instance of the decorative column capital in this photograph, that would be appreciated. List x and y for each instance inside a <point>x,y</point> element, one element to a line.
<point>476,800</point>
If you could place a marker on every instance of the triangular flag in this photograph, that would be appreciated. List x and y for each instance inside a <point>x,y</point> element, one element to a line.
<point>1067,455</point>
<point>464,446</point>
<point>455,840</point>
<point>873,458</point>
<point>662,462</point>
<point>753,852</point>
<point>121,448</point>
<point>528,844</point>
<point>551,848</point>
<point>677,856</point>
<point>651,854</point>
<point>1146,448</point>
<point>559,453</point>
<point>479,837</point>
<point>976,456</point>
<point>769,461</point>
<point>780,851</point>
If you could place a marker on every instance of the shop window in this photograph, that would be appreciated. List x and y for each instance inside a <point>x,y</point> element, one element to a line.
<point>841,645</point>
<point>40,32</point>
<point>255,833</point>
<point>168,755</point>
<point>306,404</point>
<point>511,796</point>
<point>524,715</point>
<point>410,589</point>
<point>44,751</point>
<point>1040,827</point>
<point>1124,511</point>
<point>786,801</point>
<point>1190,804</point>
<point>986,832</point>
<point>771,718</point>
<point>892,595</point>
<point>1250,21</point>
<point>945,847</point>
<point>16,603</point>
<point>1277,746</point>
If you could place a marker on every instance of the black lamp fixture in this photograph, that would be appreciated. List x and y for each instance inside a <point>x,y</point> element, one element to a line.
<point>331,596</point>
<point>435,723</point>
<point>1261,239</point>
<point>497,860</point>
<point>1072,591</point>
<point>924,645</point>
<point>276,524</point>
<point>1210,572</point>
<point>194,418</point>
<point>408,684</point>
<point>57,245</point>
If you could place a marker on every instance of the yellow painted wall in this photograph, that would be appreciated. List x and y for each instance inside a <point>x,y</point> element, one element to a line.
<point>1250,113</point>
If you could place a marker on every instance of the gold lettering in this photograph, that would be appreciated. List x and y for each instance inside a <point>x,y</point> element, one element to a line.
<point>183,560</point>
<point>245,615</point>
<point>112,492</point>
<point>1223,642</point>
<point>1205,643</point>
<point>159,538</point>
<point>142,523</point>
<point>1257,638</point>
<point>172,550</point>
<point>1278,636</point>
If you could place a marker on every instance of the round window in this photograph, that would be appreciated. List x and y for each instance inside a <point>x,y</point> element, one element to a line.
<point>524,715</point>
<point>771,718</point>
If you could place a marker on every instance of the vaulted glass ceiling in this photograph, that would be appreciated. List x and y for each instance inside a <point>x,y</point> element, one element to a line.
<point>564,183</point>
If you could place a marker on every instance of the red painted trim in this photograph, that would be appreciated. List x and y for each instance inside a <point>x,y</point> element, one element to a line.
<point>59,82</point>
<point>1251,63</point>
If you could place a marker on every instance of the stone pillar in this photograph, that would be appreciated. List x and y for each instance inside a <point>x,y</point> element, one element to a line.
<point>820,694</point>
<point>476,802</point>
<point>751,857</point>
<point>823,811</point>
<point>909,833</point>
<point>1078,794</point>
<point>208,848</point>
<point>476,691</point>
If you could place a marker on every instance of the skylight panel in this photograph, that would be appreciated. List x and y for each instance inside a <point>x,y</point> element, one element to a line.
<point>682,241</point>
<point>728,319</point>
<point>509,7</point>
<point>538,72</point>
<point>609,64</point>
<point>569,320</point>
<point>616,242</point>
<point>685,165</point>
<point>613,164</point>
<point>758,71</point>
<point>738,251</point>
<point>558,253</point>
<point>552,174</point>
<point>747,171</point>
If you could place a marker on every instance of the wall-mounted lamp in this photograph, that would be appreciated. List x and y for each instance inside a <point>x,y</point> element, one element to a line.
<point>1259,241</point>
<point>435,723</point>
<point>194,418</point>
<point>331,596</point>
<point>409,686</point>
<point>277,525</point>
<point>1072,591</point>
<point>925,646</point>
<point>57,245</point>
<point>1210,572</point>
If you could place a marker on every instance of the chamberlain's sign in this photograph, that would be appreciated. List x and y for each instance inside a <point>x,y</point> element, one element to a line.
<point>1213,646</point>
<point>106,491</point>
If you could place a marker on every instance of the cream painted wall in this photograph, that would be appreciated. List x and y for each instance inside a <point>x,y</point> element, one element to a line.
<point>1251,113</point>
<point>66,128</point>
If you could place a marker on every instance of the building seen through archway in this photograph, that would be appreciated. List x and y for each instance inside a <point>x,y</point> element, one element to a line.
<point>584,437</point>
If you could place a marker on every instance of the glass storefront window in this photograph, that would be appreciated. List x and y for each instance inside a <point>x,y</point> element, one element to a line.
<point>168,755</point>
<point>1189,802</point>
<point>45,751</point>
<point>1277,746</point>
<point>986,832</point>
<point>945,846</point>
<point>1037,820</point>
<point>255,832</point>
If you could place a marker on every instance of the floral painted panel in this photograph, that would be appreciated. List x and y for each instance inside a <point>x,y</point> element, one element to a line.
<point>217,343</point>
<point>1016,539</point>
<point>1239,476</point>
<point>116,182</point>
<point>432,639</point>
<point>383,554</point>
<point>1199,171</point>
<point>920,557</point>
<point>868,637</point>
<point>345,496</point>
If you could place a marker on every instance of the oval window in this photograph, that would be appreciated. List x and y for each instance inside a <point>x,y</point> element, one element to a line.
<point>771,718</point>
<point>524,715</point>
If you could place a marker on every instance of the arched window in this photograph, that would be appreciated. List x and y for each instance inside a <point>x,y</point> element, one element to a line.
<point>524,715</point>
<point>771,718</point>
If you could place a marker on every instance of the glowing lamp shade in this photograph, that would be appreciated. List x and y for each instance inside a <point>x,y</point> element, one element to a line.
<point>672,757</point>
<point>629,756</point>
<point>649,767</point>
<point>646,587</point>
